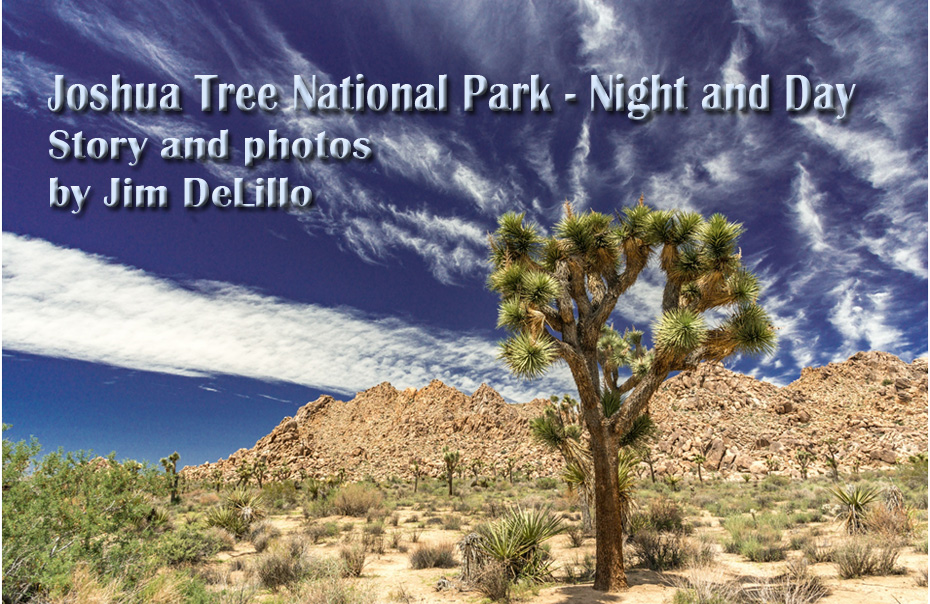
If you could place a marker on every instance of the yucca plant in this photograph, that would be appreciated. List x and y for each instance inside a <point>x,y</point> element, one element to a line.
<point>241,508</point>
<point>855,500</point>
<point>517,542</point>
<point>558,291</point>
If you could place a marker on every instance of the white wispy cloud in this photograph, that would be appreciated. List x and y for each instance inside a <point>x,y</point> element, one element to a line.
<point>61,302</point>
<point>806,205</point>
<point>863,318</point>
<point>579,166</point>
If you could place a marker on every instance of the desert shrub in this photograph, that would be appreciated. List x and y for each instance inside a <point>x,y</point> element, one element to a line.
<point>262,534</point>
<point>798,585</point>
<point>575,536</point>
<point>920,546</point>
<point>700,585</point>
<point>441,555</point>
<point>170,587</point>
<point>415,535</point>
<point>375,528</point>
<point>493,581</point>
<point>353,557</point>
<point>754,538</point>
<point>452,522</point>
<point>188,545</point>
<point>334,590</point>
<point>580,571</point>
<point>800,518</point>
<point>890,521</point>
<point>281,565</point>
<point>660,550</point>
<point>665,514</point>
<point>546,483</point>
<point>100,506</point>
<point>921,579</point>
<point>316,532</point>
<point>281,495</point>
<point>373,543</point>
<point>356,500</point>
<point>861,557</point>
<point>223,539</point>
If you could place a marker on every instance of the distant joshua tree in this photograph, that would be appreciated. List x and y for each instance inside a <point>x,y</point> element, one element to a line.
<point>170,464</point>
<point>451,459</point>
<point>699,462</point>
<point>415,468</point>
<point>511,463</point>
<point>260,470</point>
<point>804,459</point>
<point>476,466</point>
<point>216,477</point>
<point>244,472</point>
<point>833,463</point>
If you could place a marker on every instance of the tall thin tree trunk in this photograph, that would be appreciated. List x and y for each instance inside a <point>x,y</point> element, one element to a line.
<point>609,570</point>
<point>587,522</point>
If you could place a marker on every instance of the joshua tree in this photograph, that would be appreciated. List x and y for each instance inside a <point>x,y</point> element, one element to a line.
<point>170,464</point>
<point>244,472</point>
<point>558,292</point>
<point>281,473</point>
<point>216,477</point>
<point>451,459</point>
<point>804,458</point>
<point>645,454</point>
<point>699,462</point>
<point>260,470</point>
<point>830,456</point>
<point>476,466</point>
<point>772,463</point>
<point>416,470</point>
<point>511,464</point>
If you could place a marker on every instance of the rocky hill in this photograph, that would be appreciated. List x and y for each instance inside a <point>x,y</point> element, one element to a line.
<point>874,405</point>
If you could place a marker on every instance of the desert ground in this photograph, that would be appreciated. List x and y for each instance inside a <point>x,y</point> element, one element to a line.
<point>302,541</point>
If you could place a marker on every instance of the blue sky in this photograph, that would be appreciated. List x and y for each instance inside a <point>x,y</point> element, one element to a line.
<point>146,332</point>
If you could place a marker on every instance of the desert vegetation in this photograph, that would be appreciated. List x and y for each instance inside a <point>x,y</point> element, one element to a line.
<point>80,528</point>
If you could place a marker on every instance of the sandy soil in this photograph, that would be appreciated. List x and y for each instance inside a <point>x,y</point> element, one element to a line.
<point>390,577</point>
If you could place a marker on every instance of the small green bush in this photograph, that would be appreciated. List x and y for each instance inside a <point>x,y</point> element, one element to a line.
<point>546,483</point>
<point>187,545</point>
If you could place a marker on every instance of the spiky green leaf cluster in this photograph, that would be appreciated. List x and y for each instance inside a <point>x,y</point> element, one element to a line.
<point>751,330</point>
<point>643,427</point>
<point>526,356</point>
<point>679,331</point>
<point>516,541</point>
<point>591,236</point>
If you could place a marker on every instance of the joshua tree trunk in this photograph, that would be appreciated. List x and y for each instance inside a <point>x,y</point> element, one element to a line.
<point>610,574</point>
<point>449,480</point>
